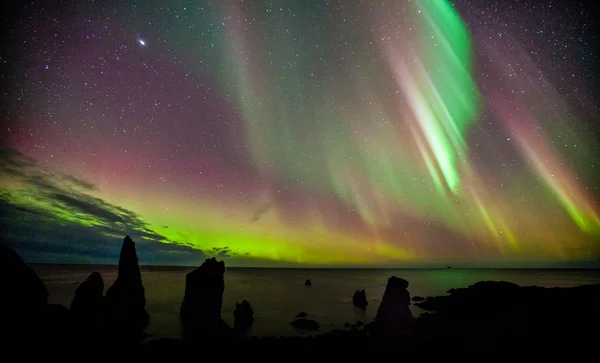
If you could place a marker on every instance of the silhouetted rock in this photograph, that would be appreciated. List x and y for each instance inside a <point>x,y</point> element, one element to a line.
<point>86,308</point>
<point>57,329</point>
<point>23,300</point>
<point>360,299</point>
<point>301,314</point>
<point>308,283</point>
<point>394,316</point>
<point>165,345</point>
<point>200,310</point>
<point>125,316</point>
<point>418,298</point>
<point>486,294</point>
<point>305,324</point>
<point>494,316</point>
<point>243,317</point>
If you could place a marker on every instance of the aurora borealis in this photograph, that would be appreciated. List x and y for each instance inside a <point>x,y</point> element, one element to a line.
<point>311,133</point>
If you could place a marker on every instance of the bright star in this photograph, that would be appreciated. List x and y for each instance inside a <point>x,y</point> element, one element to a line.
<point>142,42</point>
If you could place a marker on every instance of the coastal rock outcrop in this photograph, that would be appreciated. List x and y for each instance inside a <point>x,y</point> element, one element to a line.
<point>305,324</point>
<point>394,316</point>
<point>200,310</point>
<point>243,317</point>
<point>86,308</point>
<point>23,306</point>
<point>360,299</point>
<point>488,295</point>
<point>125,316</point>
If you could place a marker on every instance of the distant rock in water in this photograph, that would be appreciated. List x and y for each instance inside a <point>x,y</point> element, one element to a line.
<point>200,310</point>
<point>23,305</point>
<point>86,308</point>
<point>305,324</point>
<point>125,316</point>
<point>301,314</point>
<point>360,299</point>
<point>418,298</point>
<point>243,317</point>
<point>394,316</point>
<point>308,283</point>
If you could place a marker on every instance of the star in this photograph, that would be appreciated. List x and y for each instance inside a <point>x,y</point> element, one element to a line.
<point>142,42</point>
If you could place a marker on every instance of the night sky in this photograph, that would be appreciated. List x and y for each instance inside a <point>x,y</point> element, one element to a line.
<point>302,133</point>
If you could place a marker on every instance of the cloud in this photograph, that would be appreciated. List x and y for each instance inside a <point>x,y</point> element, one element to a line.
<point>50,217</point>
<point>15,164</point>
<point>98,210</point>
<point>264,208</point>
<point>81,183</point>
<point>220,252</point>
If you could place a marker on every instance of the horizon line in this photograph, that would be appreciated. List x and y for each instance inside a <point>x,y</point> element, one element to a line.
<point>333,267</point>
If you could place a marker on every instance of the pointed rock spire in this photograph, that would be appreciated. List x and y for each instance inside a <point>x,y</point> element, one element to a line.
<point>125,313</point>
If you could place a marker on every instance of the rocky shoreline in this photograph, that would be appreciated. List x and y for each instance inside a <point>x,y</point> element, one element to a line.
<point>489,316</point>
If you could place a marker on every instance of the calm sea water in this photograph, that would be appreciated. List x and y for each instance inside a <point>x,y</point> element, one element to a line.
<point>277,295</point>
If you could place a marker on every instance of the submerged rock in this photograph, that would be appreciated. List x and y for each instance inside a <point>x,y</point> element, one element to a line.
<point>125,316</point>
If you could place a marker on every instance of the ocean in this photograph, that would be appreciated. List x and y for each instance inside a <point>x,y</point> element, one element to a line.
<point>277,295</point>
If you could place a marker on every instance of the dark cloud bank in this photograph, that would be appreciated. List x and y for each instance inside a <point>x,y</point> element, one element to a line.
<point>72,226</point>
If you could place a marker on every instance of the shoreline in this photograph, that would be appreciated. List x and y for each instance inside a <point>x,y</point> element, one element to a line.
<point>485,317</point>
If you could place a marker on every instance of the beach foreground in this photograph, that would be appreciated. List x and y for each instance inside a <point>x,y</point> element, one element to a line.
<point>487,317</point>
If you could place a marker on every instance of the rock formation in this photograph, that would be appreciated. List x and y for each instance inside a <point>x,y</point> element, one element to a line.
<point>200,310</point>
<point>360,299</point>
<point>305,324</point>
<point>86,308</point>
<point>394,316</point>
<point>418,298</point>
<point>243,314</point>
<point>125,316</point>
<point>243,317</point>
<point>23,306</point>
<point>307,282</point>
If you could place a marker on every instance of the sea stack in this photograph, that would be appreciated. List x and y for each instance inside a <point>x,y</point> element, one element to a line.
<point>125,316</point>
<point>394,316</point>
<point>200,310</point>
<point>360,299</point>
<point>86,308</point>
<point>243,317</point>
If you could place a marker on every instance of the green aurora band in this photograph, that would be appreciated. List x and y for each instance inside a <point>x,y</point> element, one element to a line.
<point>358,155</point>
